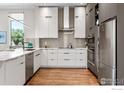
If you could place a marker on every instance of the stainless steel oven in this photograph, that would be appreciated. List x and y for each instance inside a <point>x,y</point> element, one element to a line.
<point>91,54</point>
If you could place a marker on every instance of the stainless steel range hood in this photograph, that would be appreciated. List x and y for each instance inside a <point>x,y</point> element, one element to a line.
<point>66,20</point>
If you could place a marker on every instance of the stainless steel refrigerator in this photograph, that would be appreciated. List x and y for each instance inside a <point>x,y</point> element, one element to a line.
<point>107,53</point>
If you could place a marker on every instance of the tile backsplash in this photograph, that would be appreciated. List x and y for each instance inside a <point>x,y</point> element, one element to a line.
<point>63,40</point>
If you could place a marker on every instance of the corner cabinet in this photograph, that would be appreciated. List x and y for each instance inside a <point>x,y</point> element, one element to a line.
<point>79,23</point>
<point>48,25</point>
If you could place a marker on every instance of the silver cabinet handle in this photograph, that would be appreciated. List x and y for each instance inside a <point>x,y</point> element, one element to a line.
<point>66,53</point>
<point>37,54</point>
<point>81,53</point>
<point>76,16</point>
<point>48,16</point>
<point>81,59</point>
<point>52,53</point>
<point>66,59</point>
<point>52,59</point>
<point>29,54</point>
<point>51,49</point>
<point>21,63</point>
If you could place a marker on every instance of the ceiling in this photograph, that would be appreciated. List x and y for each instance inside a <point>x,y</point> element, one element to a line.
<point>33,5</point>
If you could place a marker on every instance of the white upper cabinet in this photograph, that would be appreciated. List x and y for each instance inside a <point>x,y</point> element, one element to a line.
<point>48,25</point>
<point>79,23</point>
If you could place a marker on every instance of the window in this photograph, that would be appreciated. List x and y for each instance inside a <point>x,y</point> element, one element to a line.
<point>17,29</point>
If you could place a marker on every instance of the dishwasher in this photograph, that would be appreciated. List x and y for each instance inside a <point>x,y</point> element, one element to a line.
<point>29,66</point>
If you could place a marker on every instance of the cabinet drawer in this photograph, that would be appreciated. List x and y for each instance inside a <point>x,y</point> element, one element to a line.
<point>80,56</point>
<point>80,51</point>
<point>66,62</point>
<point>52,62</point>
<point>52,50</point>
<point>52,55</point>
<point>81,64</point>
<point>20,60</point>
<point>80,61</point>
<point>66,56</point>
<point>66,51</point>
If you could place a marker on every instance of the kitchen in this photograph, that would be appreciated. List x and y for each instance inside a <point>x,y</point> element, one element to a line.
<point>65,38</point>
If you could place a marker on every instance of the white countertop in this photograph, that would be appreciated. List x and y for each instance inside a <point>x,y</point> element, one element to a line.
<point>8,55</point>
<point>63,48</point>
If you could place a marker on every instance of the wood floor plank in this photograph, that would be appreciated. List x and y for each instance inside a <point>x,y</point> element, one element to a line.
<point>63,77</point>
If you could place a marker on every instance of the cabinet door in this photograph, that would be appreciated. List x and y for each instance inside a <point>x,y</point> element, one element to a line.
<point>53,27</point>
<point>21,70</point>
<point>48,11</point>
<point>37,60</point>
<point>49,23</point>
<point>79,23</point>
<point>2,71</point>
<point>66,62</point>
<point>15,72</point>
<point>11,74</point>
<point>52,62</point>
<point>43,33</point>
<point>44,57</point>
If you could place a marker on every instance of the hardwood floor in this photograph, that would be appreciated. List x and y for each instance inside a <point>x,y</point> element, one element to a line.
<point>63,77</point>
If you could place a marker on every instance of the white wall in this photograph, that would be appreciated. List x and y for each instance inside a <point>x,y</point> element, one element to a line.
<point>4,26</point>
<point>28,20</point>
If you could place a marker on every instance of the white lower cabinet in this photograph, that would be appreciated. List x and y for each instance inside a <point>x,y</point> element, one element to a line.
<point>15,71</point>
<point>64,58</point>
<point>81,58</point>
<point>37,60</point>
<point>66,63</point>
<point>2,71</point>
<point>44,58</point>
<point>52,62</point>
